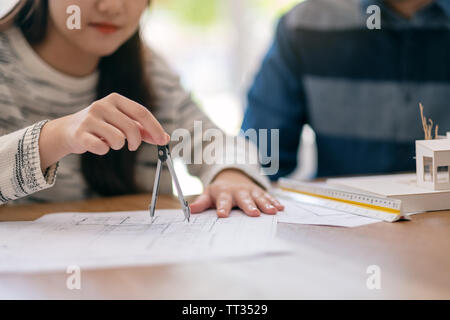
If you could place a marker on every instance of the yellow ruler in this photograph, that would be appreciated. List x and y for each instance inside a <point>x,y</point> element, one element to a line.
<point>362,204</point>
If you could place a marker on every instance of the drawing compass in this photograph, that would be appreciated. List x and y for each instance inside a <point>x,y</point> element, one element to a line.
<point>164,157</point>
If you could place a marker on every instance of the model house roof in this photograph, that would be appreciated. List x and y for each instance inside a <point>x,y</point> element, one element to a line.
<point>435,145</point>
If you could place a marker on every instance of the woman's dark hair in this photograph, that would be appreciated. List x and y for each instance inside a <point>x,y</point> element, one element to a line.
<point>111,174</point>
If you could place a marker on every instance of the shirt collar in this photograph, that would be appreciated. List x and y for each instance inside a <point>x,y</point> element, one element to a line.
<point>445,6</point>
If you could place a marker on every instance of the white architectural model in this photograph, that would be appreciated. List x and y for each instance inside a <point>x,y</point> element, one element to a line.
<point>432,164</point>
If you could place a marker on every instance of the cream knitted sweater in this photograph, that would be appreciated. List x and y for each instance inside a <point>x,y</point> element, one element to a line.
<point>32,92</point>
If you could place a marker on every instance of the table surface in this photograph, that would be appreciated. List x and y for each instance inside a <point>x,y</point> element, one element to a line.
<point>327,262</point>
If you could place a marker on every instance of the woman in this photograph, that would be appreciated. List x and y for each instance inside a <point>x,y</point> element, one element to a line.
<point>101,92</point>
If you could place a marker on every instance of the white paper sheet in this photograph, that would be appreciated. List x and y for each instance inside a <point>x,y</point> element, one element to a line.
<point>6,6</point>
<point>99,240</point>
<point>304,213</point>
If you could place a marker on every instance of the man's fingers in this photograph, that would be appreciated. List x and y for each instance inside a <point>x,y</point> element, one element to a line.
<point>263,203</point>
<point>142,115</point>
<point>202,203</point>
<point>224,203</point>
<point>246,203</point>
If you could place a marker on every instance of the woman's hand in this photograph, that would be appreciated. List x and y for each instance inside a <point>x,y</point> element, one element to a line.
<point>232,188</point>
<point>106,124</point>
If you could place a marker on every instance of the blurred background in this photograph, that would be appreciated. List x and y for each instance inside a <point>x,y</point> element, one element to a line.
<point>216,46</point>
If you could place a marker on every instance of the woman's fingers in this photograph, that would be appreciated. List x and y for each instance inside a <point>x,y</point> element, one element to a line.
<point>129,127</point>
<point>140,114</point>
<point>264,204</point>
<point>252,202</point>
<point>202,203</point>
<point>135,121</point>
<point>246,203</point>
<point>274,201</point>
<point>224,203</point>
<point>93,144</point>
<point>146,137</point>
<point>111,135</point>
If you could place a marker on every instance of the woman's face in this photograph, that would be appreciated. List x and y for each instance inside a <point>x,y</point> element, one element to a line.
<point>104,24</point>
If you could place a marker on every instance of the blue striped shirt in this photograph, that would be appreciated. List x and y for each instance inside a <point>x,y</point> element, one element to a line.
<point>359,89</point>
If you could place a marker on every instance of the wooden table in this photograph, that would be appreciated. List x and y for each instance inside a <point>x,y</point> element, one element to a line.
<point>328,262</point>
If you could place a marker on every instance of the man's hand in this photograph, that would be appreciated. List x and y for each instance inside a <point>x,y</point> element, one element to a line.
<point>233,188</point>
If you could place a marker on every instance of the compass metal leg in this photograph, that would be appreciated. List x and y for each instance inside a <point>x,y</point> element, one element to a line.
<point>155,190</point>
<point>164,156</point>
<point>183,202</point>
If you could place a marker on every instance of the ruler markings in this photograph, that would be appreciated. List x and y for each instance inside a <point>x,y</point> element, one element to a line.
<point>360,204</point>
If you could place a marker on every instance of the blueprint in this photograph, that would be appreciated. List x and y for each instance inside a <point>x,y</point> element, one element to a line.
<point>100,240</point>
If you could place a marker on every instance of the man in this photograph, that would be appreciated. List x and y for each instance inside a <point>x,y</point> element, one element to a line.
<point>357,87</point>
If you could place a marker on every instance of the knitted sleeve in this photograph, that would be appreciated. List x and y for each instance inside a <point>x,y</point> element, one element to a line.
<point>20,166</point>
